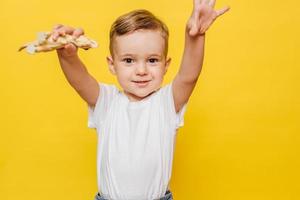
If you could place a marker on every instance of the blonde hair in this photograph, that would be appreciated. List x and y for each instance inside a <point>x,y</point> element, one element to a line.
<point>135,20</point>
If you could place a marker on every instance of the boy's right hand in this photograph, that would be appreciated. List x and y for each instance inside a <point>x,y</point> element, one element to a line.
<point>69,50</point>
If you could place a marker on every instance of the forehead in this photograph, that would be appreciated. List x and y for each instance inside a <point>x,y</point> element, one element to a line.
<point>140,42</point>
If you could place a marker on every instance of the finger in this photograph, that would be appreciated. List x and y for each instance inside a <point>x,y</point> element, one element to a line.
<point>212,3</point>
<point>66,30</point>
<point>70,47</point>
<point>222,11</point>
<point>56,33</point>
<point>67,50</point>
<point>78,32</point>
<point>204,28</point>
<point>195,22</point>
<point>194,30</point>
<point>62,31</point>
<point>54,30</point>
<point>204,1</point>
<point>197,2</point>
<point>57,26</point>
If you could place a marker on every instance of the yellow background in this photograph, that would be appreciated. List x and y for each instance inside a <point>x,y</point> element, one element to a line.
<point>241,135</point>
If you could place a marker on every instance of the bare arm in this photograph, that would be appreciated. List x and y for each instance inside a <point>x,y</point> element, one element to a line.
<point>202,17</point>
<point>74,70</point>
<point>79,78</point>
<point>189,71</point>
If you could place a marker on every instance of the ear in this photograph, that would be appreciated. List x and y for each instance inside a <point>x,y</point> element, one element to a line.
<point>168,61</point>
<point>110,63</point>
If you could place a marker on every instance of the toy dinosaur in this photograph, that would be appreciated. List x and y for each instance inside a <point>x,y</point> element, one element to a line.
<point>45,43</point>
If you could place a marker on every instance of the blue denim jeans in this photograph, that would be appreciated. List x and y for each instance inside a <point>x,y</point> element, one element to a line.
<point>168,196</point>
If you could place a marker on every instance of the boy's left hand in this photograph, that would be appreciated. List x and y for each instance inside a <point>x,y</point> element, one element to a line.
<point>203,16</point>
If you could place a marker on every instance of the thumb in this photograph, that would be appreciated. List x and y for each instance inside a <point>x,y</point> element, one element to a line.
<point>194,29</point>
<point>70,48</point>
<point>194,22</point>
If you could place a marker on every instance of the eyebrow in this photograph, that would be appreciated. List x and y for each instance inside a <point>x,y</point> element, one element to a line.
<point>128,54</point>
<point>158,55</point>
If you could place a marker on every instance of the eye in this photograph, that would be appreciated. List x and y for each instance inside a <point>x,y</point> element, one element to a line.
<point>128,60</point>
<point>153,60</point>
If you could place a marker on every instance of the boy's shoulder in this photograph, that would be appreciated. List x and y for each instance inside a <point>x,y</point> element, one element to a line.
<point>109,86</point>
<point>108,89</point>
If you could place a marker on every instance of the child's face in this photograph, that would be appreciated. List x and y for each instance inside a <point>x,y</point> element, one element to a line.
<point>139,62</point>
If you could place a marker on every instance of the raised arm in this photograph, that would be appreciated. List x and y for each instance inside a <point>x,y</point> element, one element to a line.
<point>74,70</point>
<point>202,17</point>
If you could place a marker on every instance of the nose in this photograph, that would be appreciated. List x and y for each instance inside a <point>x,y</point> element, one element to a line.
<point>141,69</point>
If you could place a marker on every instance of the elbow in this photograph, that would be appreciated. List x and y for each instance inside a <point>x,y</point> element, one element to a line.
<point>189,79</point>
<point>190,75</point>
<point>192,80</point>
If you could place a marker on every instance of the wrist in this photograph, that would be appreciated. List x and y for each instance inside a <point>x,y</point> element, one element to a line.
<point>198,34</point>
<point>70,59</point>
<point>62,54</point>
<point>188,29</point>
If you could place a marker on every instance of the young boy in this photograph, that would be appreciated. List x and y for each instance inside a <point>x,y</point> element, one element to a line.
<point>136,127</point>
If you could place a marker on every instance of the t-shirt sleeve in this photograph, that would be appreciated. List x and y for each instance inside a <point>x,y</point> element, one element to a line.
<point>97,114</point>
<point>178,117</point>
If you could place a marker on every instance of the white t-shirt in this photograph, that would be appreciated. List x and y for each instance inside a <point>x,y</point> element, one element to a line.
<point>135,142</point>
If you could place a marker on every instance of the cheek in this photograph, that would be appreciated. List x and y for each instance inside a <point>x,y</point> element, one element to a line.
<point>158,72</point>
<point>125,74</point>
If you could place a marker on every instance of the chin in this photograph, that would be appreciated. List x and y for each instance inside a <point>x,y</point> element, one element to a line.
<point>143,94</point>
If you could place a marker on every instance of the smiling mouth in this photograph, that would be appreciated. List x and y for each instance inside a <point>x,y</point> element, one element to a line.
<point>140,81</point>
